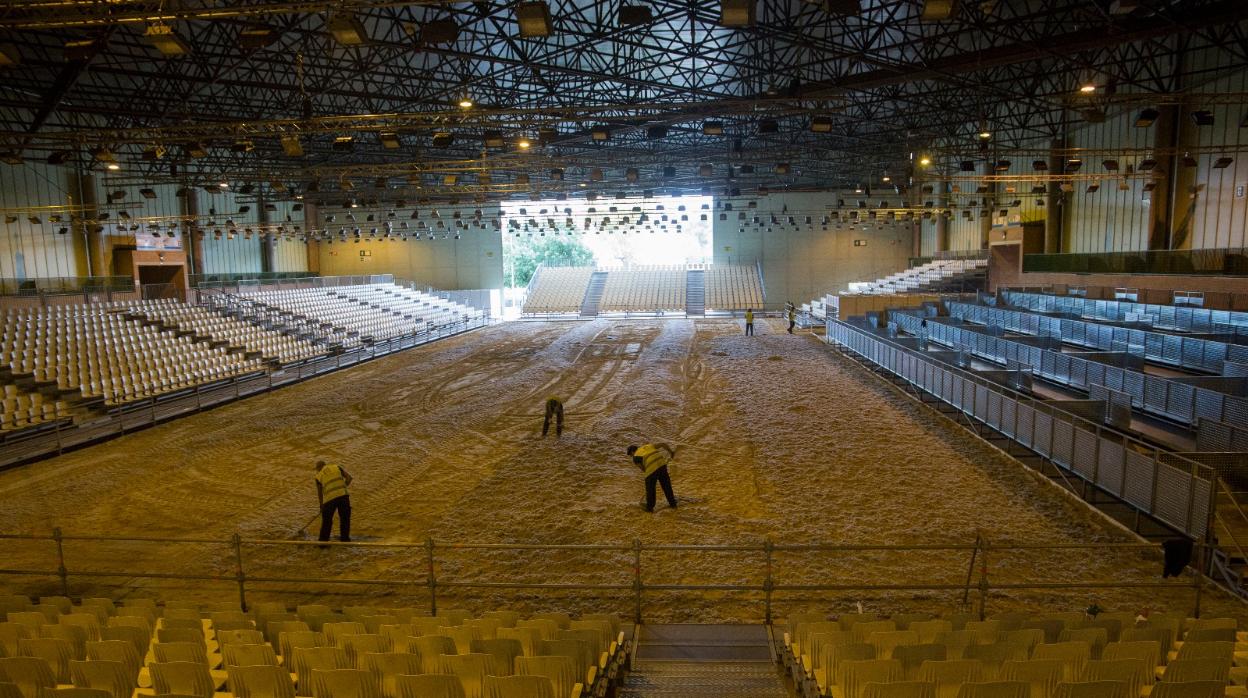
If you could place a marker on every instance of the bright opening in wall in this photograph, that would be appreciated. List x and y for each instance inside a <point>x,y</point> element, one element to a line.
<point>606,232</point>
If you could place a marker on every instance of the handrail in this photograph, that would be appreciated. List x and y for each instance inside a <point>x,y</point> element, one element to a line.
<point>426,552</point>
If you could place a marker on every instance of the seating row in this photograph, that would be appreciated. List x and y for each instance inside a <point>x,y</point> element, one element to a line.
<point>558,290</point>
<point>359,652</point>
<point>1055,655</point>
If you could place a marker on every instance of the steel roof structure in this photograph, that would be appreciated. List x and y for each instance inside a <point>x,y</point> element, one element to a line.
<point>653,94</point>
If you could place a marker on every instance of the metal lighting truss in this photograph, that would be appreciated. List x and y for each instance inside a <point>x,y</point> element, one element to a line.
<point>891,85</point>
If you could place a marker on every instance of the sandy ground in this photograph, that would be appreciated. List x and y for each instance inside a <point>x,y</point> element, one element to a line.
<point>779,438</point>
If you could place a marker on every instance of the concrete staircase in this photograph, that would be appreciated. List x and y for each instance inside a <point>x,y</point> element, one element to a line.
<point>593,294</point>
<point>695,292</point>
<point>704,661</point>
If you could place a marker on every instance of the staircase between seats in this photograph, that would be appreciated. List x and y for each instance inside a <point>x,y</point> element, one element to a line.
<point>593,294</point>
<point>695,292</point>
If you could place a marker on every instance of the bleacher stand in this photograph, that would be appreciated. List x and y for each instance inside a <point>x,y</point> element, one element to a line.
<point>931,276</point>
<point>102,351</point>
<point>733,287</point>
<point>277,651</point>
<point>353,315</point>
<point>1044,655</point>
<point>645,289</point>
<point>558,290</point>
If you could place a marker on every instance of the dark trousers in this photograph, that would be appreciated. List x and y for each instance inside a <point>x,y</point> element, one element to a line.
<point>558,415</point>
<point>791,324</point>
<point>749,329</point>
<point>660,477</point>
<point>342,505</point>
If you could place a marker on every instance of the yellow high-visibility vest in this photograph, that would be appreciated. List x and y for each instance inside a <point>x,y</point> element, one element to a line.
<point>652,458</point>
<point>333,484</point>
<point>749,316</point>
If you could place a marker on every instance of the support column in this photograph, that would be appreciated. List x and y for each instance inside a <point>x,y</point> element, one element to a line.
<point>190,235</point>
<point>88,256</point>
<point>987,203</point>
<point>267,241</point>
<point>942,223</point>
<point>1181,180</point>
<point>1053,223</point>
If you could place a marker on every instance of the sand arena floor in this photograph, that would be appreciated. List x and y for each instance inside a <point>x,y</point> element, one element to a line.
<point>779,437</point>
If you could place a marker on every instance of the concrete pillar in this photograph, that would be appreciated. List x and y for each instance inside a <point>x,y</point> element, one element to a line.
<point>190,238</point>
<point>268,243</point>
<point>80,190</point>
<point>1181,180</point>
<point>942,223</point>
<point>1053,210</point>
<point>312,223</point>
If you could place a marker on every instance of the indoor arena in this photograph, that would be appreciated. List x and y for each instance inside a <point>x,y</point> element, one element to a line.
<point>559,349</point>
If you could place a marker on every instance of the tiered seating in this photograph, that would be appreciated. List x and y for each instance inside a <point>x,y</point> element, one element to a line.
<point>98,351</point>
<point>21,408</point>
<point>733,287</point>
<point>1020,655</point>
<point>352,315</point>
<point>644,290</point>
<point>926,277</point>
<point>558,290</point>
<point>207,324</point>
<point>273,652</point>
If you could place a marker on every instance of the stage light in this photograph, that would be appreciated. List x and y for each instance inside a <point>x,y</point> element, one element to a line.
<point>737,13</point>
<point>937,10</point>
<point>985,135</point>
<point>389,140</point>
<point>347,29</point>
<point>524,144</point>
<point>1087,88</point>
<point>166,41</point>
<point>635,15</point>
<point>256,36</point>
<point>443,139</point>
<point>821,124</point>
<point>1222,163</point>
<point>1202,118</point>
<point>534,20</point>
<point>439,31</point>
<point>465,103</point>
<point>925,161</point>
<point>1146,118</point>
<point>113,167</point>
<point>713,128</point>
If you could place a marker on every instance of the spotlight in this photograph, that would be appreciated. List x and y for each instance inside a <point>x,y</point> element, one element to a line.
<point>635,15</point>
<point>291,146</point>
<point>985,135</point>
<point>737,13</point>
<point>821,124</point>
<point>534,20</point>
<point>1093,187</point>
<point>600,133</point>
<point>938,10</point>
<point>82,49</point>
<point>524,144</point>
<point>1146,118</point>
<point>1087,88</point>
<point>347,29</point>
<point>166,41</point>
<point>1147,165</point>
<point>1110,165</point>
<point>443,139</point>
<point>925,161</point>
<point>1222,163</point>
<point>257,36</point>
<point>465,103</point>
<point>113,167</point>
<point>1202,118</point>
<point>1039,165</point>
<point>389,140</point>
<point>439,31</point>
<point>493,139</point>
<point>1073,164</point>
<point>713,128</point>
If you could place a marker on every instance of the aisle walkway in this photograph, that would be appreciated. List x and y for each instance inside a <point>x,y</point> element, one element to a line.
<point>721,661</point>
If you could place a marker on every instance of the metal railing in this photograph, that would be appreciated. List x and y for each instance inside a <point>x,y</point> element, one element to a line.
<point>1163,317</point>
<point>1180,401</point>
<point>65,285</point>
<point>1186,352</point>
<point>62,435</point>
<point>1232,261</point>
<point>950,254</point>
<point>631,572</point>
<point>219,280</point>
<point>1172,489</point>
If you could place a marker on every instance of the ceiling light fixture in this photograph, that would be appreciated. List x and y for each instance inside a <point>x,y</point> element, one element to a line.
<point>347,29</point>
<point>166,41</point>
<point>534,20</point>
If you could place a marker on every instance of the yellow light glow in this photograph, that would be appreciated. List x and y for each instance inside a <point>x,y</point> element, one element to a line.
<point>113,166</point>
<point>524,144</point>
<point>1087,89</point>
<point>465,103</point>
<point>925,161</point>
<point>985,135</point>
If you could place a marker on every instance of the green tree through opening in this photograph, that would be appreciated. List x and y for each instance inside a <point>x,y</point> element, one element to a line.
<point>524,254</point>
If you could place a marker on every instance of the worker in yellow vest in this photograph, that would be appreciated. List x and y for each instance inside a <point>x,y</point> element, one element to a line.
<point>653,463</point>
<point>554,409</point>
<point>792,316</point>
<point>749,322</point>
<point>331,490</point>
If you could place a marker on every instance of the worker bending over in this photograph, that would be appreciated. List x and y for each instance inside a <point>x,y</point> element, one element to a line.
<point>554,408</point>
<point>653,462</point>
<point>331,491</point>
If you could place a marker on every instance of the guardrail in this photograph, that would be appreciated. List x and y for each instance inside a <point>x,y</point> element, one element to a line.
<point>1231,261</point>
<point>66,285</point>
<point>1165,317</point>
<point>62,435</point>
<point>1181,402</point>
<point>1186,352</point>
<point>628,579</point>
<point>216,280</point>
<point>1172,489</point>
<point>248,284</point>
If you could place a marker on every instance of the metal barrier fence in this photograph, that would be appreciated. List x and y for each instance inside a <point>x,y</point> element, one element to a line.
<point>1158,395</point>
<point>217,280</point>
<point>1222,262</point>
<point>628,581</point>
<point>63,435</point>
<point>1186,352</point>
<point>252,283</point>
<point>61,285</point>
<point>1171,489</point>
<point>1165,317</point>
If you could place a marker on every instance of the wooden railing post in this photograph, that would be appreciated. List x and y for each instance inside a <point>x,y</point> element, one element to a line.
<point>237,541</point>
<point>61,570</point>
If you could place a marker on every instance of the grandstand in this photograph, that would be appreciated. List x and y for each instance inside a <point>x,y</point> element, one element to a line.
<point>644,290</point>
<point>266,265</point>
